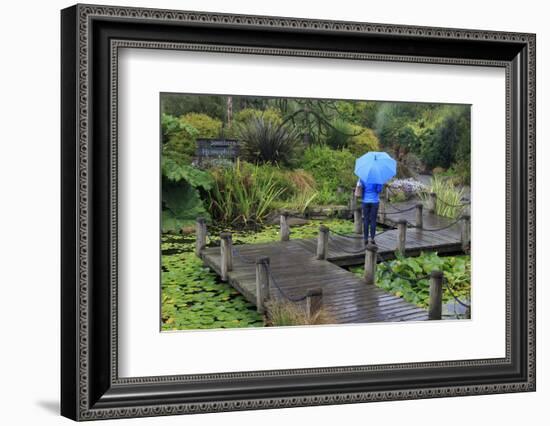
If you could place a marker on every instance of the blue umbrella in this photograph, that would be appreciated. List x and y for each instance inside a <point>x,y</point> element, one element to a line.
<point>375,167</point>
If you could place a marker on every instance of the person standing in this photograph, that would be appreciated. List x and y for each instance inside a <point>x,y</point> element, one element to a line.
<point>370,200</point>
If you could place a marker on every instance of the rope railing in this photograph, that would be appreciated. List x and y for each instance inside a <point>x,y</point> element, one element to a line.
<point>341,234</point>
<point>412,225</point>
<point>404,277</point>
<point>344,249</point>
<point>389,269</point>
<point>281,291</point>
<point>332,231</point>
<point>399,210</point>
<point>455,297</point>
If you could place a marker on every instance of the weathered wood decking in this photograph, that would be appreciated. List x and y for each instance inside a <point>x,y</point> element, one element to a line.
<point>346,297</point>
<point>344,251</point>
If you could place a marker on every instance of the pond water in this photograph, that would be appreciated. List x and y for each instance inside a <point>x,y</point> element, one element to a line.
<point>193,297</point>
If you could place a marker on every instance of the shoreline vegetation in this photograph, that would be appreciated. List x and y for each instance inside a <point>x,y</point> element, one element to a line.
<point>293,155</point>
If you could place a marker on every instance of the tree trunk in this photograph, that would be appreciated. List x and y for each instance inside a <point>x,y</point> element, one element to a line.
<point>229,114</point>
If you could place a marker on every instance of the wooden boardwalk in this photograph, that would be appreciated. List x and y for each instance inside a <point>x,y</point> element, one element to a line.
<point>345,251</point>
<point>346,297</point>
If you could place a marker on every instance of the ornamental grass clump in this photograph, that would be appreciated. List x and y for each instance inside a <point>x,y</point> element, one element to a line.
<point>242,195</point>
<point>449,197</point>
<point>283,313</point>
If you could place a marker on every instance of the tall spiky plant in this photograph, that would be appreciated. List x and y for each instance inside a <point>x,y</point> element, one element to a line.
<point>449,203</point>
<point>265,141</point>
<point>242,195</point>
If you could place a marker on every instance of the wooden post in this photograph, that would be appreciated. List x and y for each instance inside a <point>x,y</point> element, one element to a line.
<point>401,236</point>
<point>370,263</point>
<point>419,222</point>
<point>357,221</point>
<point>432,202</point>
<point>467,210</point>
<point>322,242</point>
<point>436,295</point>
<point>226,251</point>
<point>353,201</point>
<point>284,230</point>
<point>200,230</point>
<point>314,301</point>
<point>262,283</point>
<point>382,210</point>
<point>465,232</point>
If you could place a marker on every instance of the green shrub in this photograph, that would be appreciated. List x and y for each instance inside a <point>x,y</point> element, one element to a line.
<point>331,169</point>
<point>439,145</point>
<point>206,126</point>
<point>339,134</point>
<point>179,135</point>
<point>462,168</point>
<point>263,141</point>
<point>246,114</point>
<point>364,142</point>
<point>178,139</point>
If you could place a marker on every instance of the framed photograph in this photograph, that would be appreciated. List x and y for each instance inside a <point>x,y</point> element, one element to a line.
<point>263,212</point>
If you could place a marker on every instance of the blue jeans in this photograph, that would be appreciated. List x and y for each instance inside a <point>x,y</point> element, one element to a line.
<point>370,211</point>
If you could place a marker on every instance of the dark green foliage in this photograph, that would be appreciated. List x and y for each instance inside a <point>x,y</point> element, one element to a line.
<point>181,201</point>
<point>440,145</point>
<point>438,134</point>
<point>170,125</point>
<point>393,127</point>
<point>181,205</point>
<point>264,141</point>
<point>178,105</point>
<point>339,134</point>
<point>175,172</point>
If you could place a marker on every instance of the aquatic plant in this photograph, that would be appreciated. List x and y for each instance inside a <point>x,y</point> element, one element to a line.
<point>406,276</point>
<point>242,195</point>
<point>449,197</point>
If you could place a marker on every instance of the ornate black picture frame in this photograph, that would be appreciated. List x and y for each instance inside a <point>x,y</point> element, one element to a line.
<point>91,388</point>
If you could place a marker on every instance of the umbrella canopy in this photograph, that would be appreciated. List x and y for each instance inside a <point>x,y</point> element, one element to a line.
<point>375,167</point>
